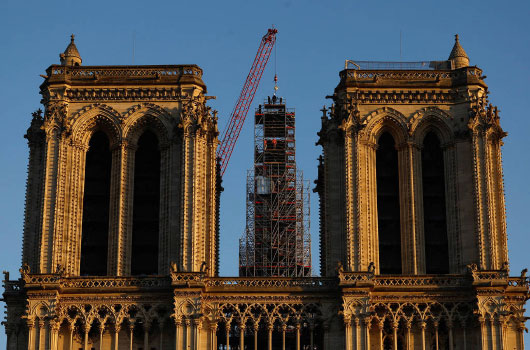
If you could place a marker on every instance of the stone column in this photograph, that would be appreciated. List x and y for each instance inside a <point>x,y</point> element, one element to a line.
<point>270,327</point>
<point>117,328</point>
<point>284,327</point>
<point>198,327</point>
<point>256,327</point>
<point>368,201</point>
<point>504,327</point>
<point>101,331</point>
<point>227,329</point>
<point>520,334</point>
<point>483,335</point>
<point>325,330</point>
<point>298,325</point>
<point>241,336</point>
<point>409,326</point>
<point>131,334</point>
<point>31,334</point>
<point>42,334</point>
<point>450,327</point>
<point>367,322</point>
<point>423,324</point>
<point>146,335</point>
<point>120,208</point>
<point>71,328</point>
<point>87,329</point>
<point>493,334</point>
<point>348,333</point>
<point>381,325</point>
<point>54,334</point>
<point>408,165</point>
<point>436,335</point>
<point>213,332</point>
<point>395,326</point>
<point>188,344</point>
<point>52,160</point>
<point>178,338</point>
<point>165,208</point>
<point>357,334</point>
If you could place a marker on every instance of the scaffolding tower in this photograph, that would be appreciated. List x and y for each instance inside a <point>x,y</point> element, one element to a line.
<point>276,241</point>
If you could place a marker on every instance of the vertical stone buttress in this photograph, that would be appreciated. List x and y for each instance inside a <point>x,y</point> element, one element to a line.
<point>198,189</point>
<point>332,189</point>
<point>34,187</point>
<point>490,216</point>
<point>54,114</point>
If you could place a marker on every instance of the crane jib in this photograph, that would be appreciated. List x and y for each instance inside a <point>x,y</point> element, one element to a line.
<point>240,111</point>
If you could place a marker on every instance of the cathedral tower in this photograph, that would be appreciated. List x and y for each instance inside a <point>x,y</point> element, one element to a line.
<point>411,196</point>
<point>122,185</point>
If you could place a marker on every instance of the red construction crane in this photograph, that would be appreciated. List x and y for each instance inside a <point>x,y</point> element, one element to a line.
<point>237,118</point>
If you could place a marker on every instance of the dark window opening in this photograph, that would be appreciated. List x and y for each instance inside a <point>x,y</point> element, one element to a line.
<point>96,201</point>
<point>388,215</point>
<point>435,225</point>
<point>146,202</point>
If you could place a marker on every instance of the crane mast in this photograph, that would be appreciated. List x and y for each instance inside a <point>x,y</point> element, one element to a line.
<point>237,118</point>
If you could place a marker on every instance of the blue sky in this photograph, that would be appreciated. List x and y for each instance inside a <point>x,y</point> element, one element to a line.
<point>314,39</point>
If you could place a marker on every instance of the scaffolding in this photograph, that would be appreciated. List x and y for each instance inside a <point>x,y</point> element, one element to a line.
<point>276,241</point>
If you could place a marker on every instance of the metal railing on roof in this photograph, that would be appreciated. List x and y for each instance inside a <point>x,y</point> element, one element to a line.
<point>420,65</point>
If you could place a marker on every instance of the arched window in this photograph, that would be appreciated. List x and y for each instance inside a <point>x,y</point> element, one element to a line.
<point>146,202</point>
<point>434,217</point>
<point>96,201</point>
<point>388,215</point>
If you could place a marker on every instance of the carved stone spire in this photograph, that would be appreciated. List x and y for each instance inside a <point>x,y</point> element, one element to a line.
<point>458,55</point>
<point>70,56</point>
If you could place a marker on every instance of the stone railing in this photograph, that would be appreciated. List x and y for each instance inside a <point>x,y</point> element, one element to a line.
<point>271,282</point>
<point>489,277</point>
<point>519,282</point>
<point>12,286</point>
<point>355,278</point>
<point>431,281</point>
<point>187,279</point>
<point>116,282</point>
<point>200,280</point>
<point>40,279</point>
<point>422,281</point>
<point>87,72</point>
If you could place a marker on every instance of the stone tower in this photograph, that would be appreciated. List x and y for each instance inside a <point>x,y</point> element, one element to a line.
<point>122,184</point>
<point>411,192</point>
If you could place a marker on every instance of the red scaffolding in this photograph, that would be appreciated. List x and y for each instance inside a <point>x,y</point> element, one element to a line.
<point>276,241</point>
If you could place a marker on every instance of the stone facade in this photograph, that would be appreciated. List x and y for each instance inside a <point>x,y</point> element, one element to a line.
<point>471,302</point>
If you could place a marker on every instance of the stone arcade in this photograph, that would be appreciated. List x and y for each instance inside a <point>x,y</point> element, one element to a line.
<point>120,246</point>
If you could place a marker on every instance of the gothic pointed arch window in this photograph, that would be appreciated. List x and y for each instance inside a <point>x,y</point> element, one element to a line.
<point>96,202</point>
<point>146,204</point>
<point>388,210</point>
<point>434,206</point>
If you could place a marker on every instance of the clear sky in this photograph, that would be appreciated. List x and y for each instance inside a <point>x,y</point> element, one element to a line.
<point>314,39</point>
